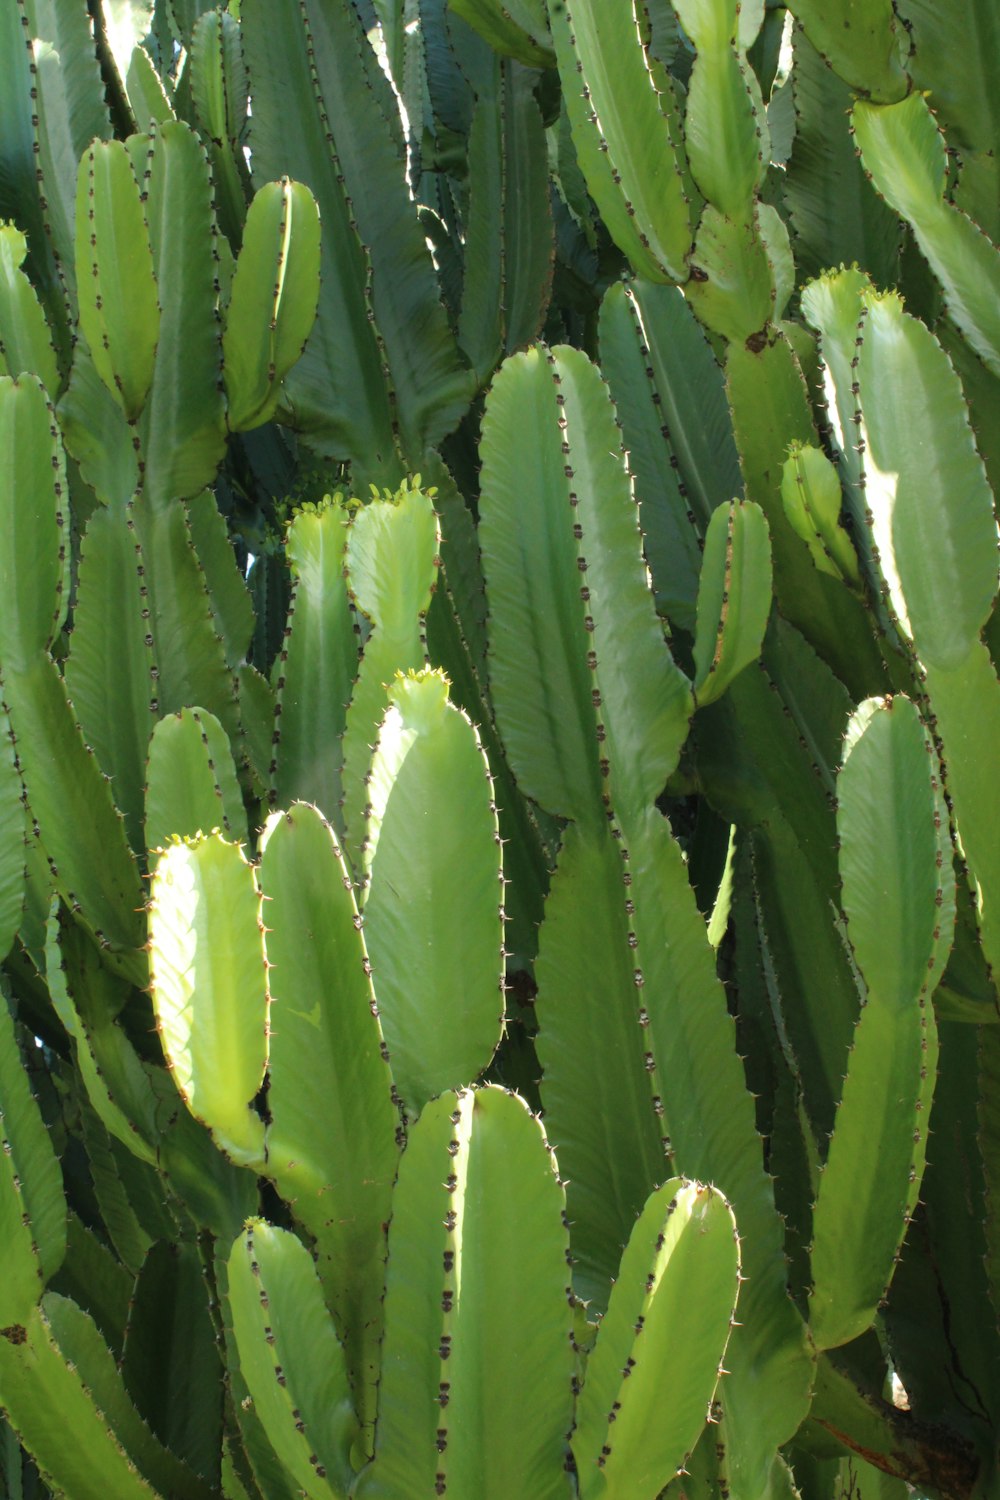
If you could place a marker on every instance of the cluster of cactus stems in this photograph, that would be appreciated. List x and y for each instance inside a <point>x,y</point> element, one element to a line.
<point>499,749</point>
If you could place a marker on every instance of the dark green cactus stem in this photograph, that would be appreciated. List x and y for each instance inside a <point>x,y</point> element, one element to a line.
<point>623,134</point>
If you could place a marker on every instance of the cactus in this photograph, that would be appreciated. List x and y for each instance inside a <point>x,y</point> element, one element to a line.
<point>499,708</point>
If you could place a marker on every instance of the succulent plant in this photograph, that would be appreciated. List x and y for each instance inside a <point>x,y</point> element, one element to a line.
<point>500,742</point>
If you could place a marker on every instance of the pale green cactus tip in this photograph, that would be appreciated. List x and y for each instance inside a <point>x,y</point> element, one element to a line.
<point>410,485</point>
<point>331,501</point>
<point>190,840</point>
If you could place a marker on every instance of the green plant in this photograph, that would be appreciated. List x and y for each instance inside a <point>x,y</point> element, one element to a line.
<point>498,822</point>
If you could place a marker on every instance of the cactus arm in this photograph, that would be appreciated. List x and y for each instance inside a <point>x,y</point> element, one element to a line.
<point>32,1206</point>
<point>610,1151</point>
<point>476,1291</point>
<point>191,784</point>
<point>530,574</point>
<point>666,1330</point>
<point>34,505</point>
<point>734,597</point>
<point>70,107</point>
<point>433,911</point>
<point>327,42</point>
<point>190,654</point>
<point>119,312</point>
<point>182,426</point>
<point>724,123</point>
<point>170,1363</point>
<point>904,151</point>
<point>260,1465</point>
<point>629,359</point>
<point>972,696</point>
<point>770,409</point>
<point>121,1190</point>
<point>13,839</point>
<point>96,433</point>
<point>837,216</point>
<point>860,41</point>
<point>317,666</point>
<point>87,1000</point>
<point>530,235</point>
<point>110,671</point>
<point>257,705</point>
<point>563,563</point>
<point>216,1194</point>
<point>645,701</point>
<point>690,1039</point>
<point>25,341</point>
<point>92,866</point>
<point>960,1175</point>
<point>232,609</point>
<point>291,1358</point>
<point>766,756</point>
<point>392,560</point>
<point>942,608</point>
<point>72,1335</point>
<point>451,95</point>
<point>431,385</point>
<point>831,306</point>
<point>209,987</point>
<point>811,495</point>
<point>898,894</point>
<point>95,1279</point>
<point>333,1139</point>
<point>272,305</point>
<point>20,199</point>
<point>622,134</point>
<point>59,1421</point>
<point>219,88</point>
<point>509,238</point>
<point>731,283</point>
<point>692,396</point>
<point>959,80</point>
<point>519,29</point>
<point>146,95</point>
<point>341,397</point>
